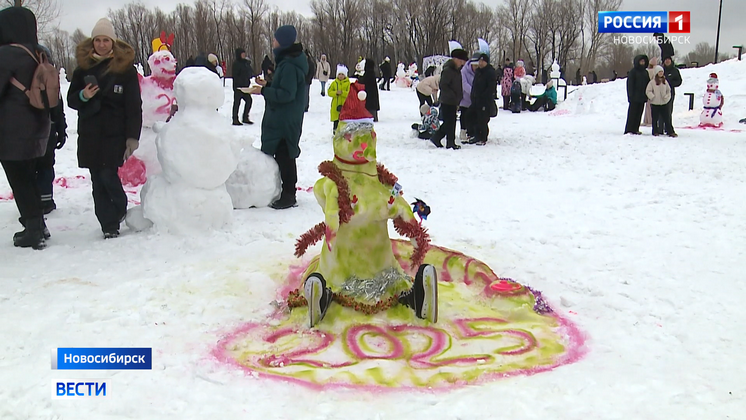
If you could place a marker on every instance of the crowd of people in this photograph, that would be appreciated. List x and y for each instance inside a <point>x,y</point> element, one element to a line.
<point>105,92</point>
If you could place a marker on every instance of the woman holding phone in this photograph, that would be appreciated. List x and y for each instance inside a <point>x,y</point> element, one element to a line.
<point>106,93</point>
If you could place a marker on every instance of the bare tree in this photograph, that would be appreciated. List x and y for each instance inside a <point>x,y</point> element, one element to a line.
<point>47,13</point>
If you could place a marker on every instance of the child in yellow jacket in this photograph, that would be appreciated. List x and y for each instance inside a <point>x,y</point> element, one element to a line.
<point>338,91</point>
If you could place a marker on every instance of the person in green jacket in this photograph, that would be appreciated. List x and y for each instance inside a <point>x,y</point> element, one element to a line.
<point>547,100</point>
<point>338,91</point>
<point>285,101</point>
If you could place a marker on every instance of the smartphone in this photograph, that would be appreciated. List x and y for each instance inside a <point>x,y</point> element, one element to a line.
<point>90,80</point>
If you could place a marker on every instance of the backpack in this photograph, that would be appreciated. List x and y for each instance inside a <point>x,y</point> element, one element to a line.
<point>516,88</point>
<point>44,92</point>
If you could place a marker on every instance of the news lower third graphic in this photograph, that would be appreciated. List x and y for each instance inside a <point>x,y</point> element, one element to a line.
<point>95,358</point>
<point>644,22</point>
<point>102,358</point>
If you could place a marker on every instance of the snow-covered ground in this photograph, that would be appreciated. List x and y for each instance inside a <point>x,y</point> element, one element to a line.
<point>640,241</point>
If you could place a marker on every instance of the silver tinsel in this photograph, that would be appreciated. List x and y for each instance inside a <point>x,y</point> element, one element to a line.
<point>352,127</point>
<point>372,290</point>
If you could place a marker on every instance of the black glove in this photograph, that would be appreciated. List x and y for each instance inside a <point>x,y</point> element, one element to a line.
<point>61,139</point>
<point>339,108</point>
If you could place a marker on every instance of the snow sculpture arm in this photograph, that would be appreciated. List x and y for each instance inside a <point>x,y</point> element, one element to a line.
<point>284,91</point>
<point>328,197</point>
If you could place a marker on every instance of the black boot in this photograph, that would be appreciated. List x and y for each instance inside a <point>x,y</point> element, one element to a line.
<point>236,122</point>
<point>318,296</point>
<point>33,235</point>
<point>246,120</point>
<point>423,296</point>
<point>286,201</point>
<point>18,235</point>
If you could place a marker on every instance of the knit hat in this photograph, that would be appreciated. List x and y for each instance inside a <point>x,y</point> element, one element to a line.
<point>105,28</point>
<point>657,69</point>
<point>519,63</point>
<point>475,57</point>
<point>342,69</point>
<point>713,82</point>
<point>285,35</point>
<point>424,109</point>
<point>460,54</point>
<point>353,109</point>
<point>213,59</point>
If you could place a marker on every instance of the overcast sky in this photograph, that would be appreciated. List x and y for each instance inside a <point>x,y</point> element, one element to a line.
<point>84,13</point>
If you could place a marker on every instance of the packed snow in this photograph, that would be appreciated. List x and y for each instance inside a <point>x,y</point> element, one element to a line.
<point>640,241</point>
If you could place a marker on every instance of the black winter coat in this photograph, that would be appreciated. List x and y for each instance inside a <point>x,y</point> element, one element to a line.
<point>268,68</point>
<point>673,76</point>
<point>451,89</point>
<point>202,61</point>
<point>386,71</point>
<point>107,120</point>
<point>484,89</point>
<point>241,71</point>
<point>24,130</point>
<point>665,45</point>
<point>372,102</point>
<point>311,68</point>
<point>637,81</point>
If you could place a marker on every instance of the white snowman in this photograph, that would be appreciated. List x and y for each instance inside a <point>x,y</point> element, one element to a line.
<point>712,114</point>
<point>402,80</point>
<point>197,153</point>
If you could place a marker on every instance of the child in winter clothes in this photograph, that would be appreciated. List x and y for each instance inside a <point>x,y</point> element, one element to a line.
<point>338,91</point>
<point>430,122</point>
<point>547,100</point>
<point>659,94</point>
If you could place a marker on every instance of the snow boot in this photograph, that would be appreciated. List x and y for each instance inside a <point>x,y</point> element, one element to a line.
<point>20,234</point>
<point>247,121</point>
<point>286,201</point>
<point>423,296</point>
<point>236,122</point>
<point>111,235</point>
<point>318,296</point>
<point>33,235</point>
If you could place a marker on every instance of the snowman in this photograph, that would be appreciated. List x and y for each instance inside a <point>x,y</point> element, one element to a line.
<point>402,80</point>
<point>197,153</point>
<point>158,89</point>
<point>712,114</point>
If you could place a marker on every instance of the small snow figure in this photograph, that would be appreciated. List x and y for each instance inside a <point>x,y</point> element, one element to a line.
<point>402,80</point>
<point>158,88</point>
<point>421,209</point>
<point>712,114</point>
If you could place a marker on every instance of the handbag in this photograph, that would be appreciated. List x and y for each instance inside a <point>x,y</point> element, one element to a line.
<point>326,73</point>
<point>493,109</point>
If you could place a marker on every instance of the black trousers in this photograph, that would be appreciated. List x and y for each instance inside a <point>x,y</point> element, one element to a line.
<point>448,128</point>
<point>481,124</point>
<point>467,120</point>
<point>237,97</point>
<point>45,176</point>
<point>634,116</point>
<point>661,119</point>
<point>308,97</point>
<point>21,176</point>
<point>288,169</point>
<point>386,85</point>
<point>109,198</point>
<point>424,99</point>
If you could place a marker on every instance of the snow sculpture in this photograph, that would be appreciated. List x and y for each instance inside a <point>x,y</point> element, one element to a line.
<point>198,153</point>
<point>256,181</point>
<point>359,196</point>
<point>402,80</point>
<point>712,114</point>
<point>436,61</point>
<point>158,88</point>
<point>555,73</point>
<point>63,77</point>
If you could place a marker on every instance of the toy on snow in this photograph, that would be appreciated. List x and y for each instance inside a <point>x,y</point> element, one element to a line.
<point>712,114</point>
<point>357,267</point>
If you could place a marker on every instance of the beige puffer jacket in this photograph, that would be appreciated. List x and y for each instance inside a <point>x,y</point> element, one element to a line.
<point>429,86</point>
<point>658,94</point>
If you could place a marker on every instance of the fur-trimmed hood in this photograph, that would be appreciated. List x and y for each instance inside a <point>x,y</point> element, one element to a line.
<point>124,56</point>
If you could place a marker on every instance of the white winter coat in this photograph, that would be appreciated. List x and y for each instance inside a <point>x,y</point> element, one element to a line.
<point>323,66</point>
<point>658,94</point>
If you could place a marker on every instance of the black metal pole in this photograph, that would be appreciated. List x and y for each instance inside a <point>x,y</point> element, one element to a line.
<point>717,42</point>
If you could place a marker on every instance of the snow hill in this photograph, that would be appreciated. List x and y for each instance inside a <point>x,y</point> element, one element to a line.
<point>611,97</point>
<point>640,241</point>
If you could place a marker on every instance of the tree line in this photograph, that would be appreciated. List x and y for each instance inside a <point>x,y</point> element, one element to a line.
<point>537,31</point>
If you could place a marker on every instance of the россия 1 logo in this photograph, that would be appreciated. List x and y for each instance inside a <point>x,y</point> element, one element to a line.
<point>644,22</point>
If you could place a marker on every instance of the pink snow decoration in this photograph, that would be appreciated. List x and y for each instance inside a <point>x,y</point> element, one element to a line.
<point>133,172</point>
<point>66,182</point>
<point>6,196</point>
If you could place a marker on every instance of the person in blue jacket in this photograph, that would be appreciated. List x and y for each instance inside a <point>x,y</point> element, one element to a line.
<point>547,100</point>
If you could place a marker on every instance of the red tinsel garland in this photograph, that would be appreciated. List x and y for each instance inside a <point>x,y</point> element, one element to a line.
<point>385,177</point>
<point>309,238</point>
<point>414,230</point>
<point>331,171</point>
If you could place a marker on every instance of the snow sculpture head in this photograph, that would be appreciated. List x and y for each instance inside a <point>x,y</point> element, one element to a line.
<point>197,87</point>
<point>355,141</point>
<point>713,83</point>
<point>162,65</point>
